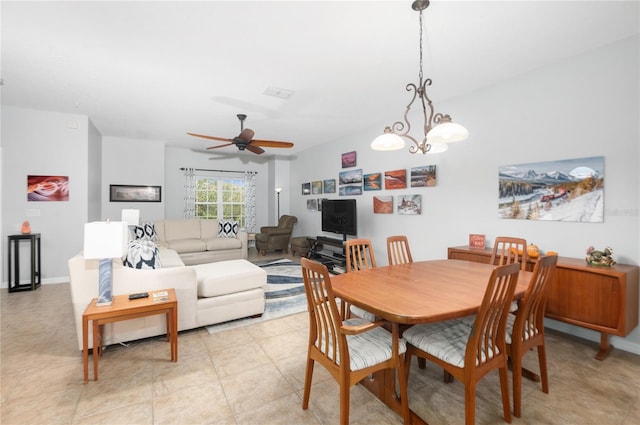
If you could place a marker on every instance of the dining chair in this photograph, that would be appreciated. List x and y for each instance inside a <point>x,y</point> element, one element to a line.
<point>349,349</point>
<point>359,256</point>
<point>507,250</point>
<point>468,353</point>
<point>398,251</point>
<point>525,329</point>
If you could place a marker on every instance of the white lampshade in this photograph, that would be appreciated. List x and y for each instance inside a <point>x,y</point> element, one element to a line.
<point>105,239</point>
<point>447,132</point>
<point>438,147</point>
<point>387,141</point>
<point>131,217</point>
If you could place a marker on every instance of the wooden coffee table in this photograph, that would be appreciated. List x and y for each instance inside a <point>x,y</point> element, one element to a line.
<point>124,309</point>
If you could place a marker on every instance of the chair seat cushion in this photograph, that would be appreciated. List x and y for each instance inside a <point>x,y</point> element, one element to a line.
<point>363,314</point>
<point>444,340</point>
<point>529,328</point>
<point>371,347</point>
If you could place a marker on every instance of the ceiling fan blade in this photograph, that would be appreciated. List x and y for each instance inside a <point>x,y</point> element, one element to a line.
<point>246,135</point>
<point>221,139</point>
<point>271,143</point>
<point>220,146</point>
<point>255,149</point>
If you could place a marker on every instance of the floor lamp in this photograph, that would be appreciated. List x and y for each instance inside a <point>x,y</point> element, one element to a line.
<point>278,190</point>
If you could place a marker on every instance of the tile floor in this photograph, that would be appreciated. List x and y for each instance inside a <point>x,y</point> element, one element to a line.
<point>254,375</point>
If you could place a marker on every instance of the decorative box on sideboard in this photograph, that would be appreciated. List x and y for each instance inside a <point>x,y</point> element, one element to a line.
<point>604,299</point>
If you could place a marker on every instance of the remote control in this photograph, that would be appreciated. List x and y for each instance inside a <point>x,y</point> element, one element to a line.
<point>140,295</point>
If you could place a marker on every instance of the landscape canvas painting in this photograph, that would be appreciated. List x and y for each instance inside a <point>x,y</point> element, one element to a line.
<point>396,179</point>
<point>410,204</point>
<point>350,177</point>
<point>383,204</point>
<point>329,186</point>
<point>373,181</point>
<point>423,176</point>
<point>565,190</point>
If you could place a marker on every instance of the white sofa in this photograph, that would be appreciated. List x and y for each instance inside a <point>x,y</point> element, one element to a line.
<point>207,293</point>
<point>196,240</point>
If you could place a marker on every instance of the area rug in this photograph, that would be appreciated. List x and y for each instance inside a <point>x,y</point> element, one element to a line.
<point>284,295</point>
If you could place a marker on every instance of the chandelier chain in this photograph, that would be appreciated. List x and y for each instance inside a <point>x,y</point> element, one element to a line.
<point>420,73</point>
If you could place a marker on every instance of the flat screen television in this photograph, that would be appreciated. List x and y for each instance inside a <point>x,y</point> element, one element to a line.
<point>340,216</point>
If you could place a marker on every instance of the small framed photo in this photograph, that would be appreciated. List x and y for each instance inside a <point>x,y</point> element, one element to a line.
<point>383,204</point>
<point>396,179</point>
<point>373,181</point>
<point>329,186</point>
<point>316,187</point>
<point>349,159</point>
<point>134,193</point>
<point>423,176</point>
<point>306,188</point>
<point>410,204</point>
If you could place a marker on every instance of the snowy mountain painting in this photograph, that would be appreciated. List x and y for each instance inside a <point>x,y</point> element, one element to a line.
<point>567,190</point>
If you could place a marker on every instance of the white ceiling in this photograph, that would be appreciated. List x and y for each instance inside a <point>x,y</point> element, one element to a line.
<point>156,70</point>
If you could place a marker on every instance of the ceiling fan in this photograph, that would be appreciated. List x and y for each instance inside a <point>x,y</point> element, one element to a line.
<point>245,140</point>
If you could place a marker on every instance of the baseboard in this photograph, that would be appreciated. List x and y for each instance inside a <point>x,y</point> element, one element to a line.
<point>48,281</point>
<point>624,344</point>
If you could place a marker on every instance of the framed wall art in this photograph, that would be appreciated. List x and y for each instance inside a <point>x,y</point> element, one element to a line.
<point>383,204</point>
<point>565,190</point>
<point>396,179</point>
<point>47,188</point>
<point>329,186</point>
<point>306,188</point>
<point>373,181</point>
<point>316,187</point>
<point>134,193</point>
<point>410,204</point>
<point>423,176</point>
<point>349,159</point>
<point>350,177</point>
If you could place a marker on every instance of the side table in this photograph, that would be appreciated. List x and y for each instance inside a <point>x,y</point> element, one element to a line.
<point>14,281</point>
<point>162,301</point>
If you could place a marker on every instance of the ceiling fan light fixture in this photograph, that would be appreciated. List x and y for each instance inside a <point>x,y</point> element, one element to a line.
<point>388,141</point>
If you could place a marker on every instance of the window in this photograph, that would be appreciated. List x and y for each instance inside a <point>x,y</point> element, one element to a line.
<point>220,198</point>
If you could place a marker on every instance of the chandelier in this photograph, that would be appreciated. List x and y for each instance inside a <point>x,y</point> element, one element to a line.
<point>438,128</point>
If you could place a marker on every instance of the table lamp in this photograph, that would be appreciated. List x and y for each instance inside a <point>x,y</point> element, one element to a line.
<point>131,217</point>
<point>105,240</point>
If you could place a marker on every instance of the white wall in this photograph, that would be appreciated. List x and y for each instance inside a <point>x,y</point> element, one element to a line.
<point>582,107</point>
<point>45,143</point>
<point>132,162</point>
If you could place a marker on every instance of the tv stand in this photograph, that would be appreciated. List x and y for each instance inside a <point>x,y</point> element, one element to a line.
<point>328,251</point>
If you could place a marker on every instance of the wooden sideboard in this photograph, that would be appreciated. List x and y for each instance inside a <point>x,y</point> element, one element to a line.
<point>604,299</point>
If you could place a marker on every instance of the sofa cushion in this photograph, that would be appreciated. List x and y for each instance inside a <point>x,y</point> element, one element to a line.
<point>228,229</point>
<point>142,254</point>
<point>187,245</point>
<point>228,277</point>
<point>208,228</point>
<point>170,258</point>
<point>145,231</point>
<point>216,244</point>
<point>182,229</point>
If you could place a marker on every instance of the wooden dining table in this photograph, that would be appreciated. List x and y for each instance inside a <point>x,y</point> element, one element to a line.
<point>414,293</point>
